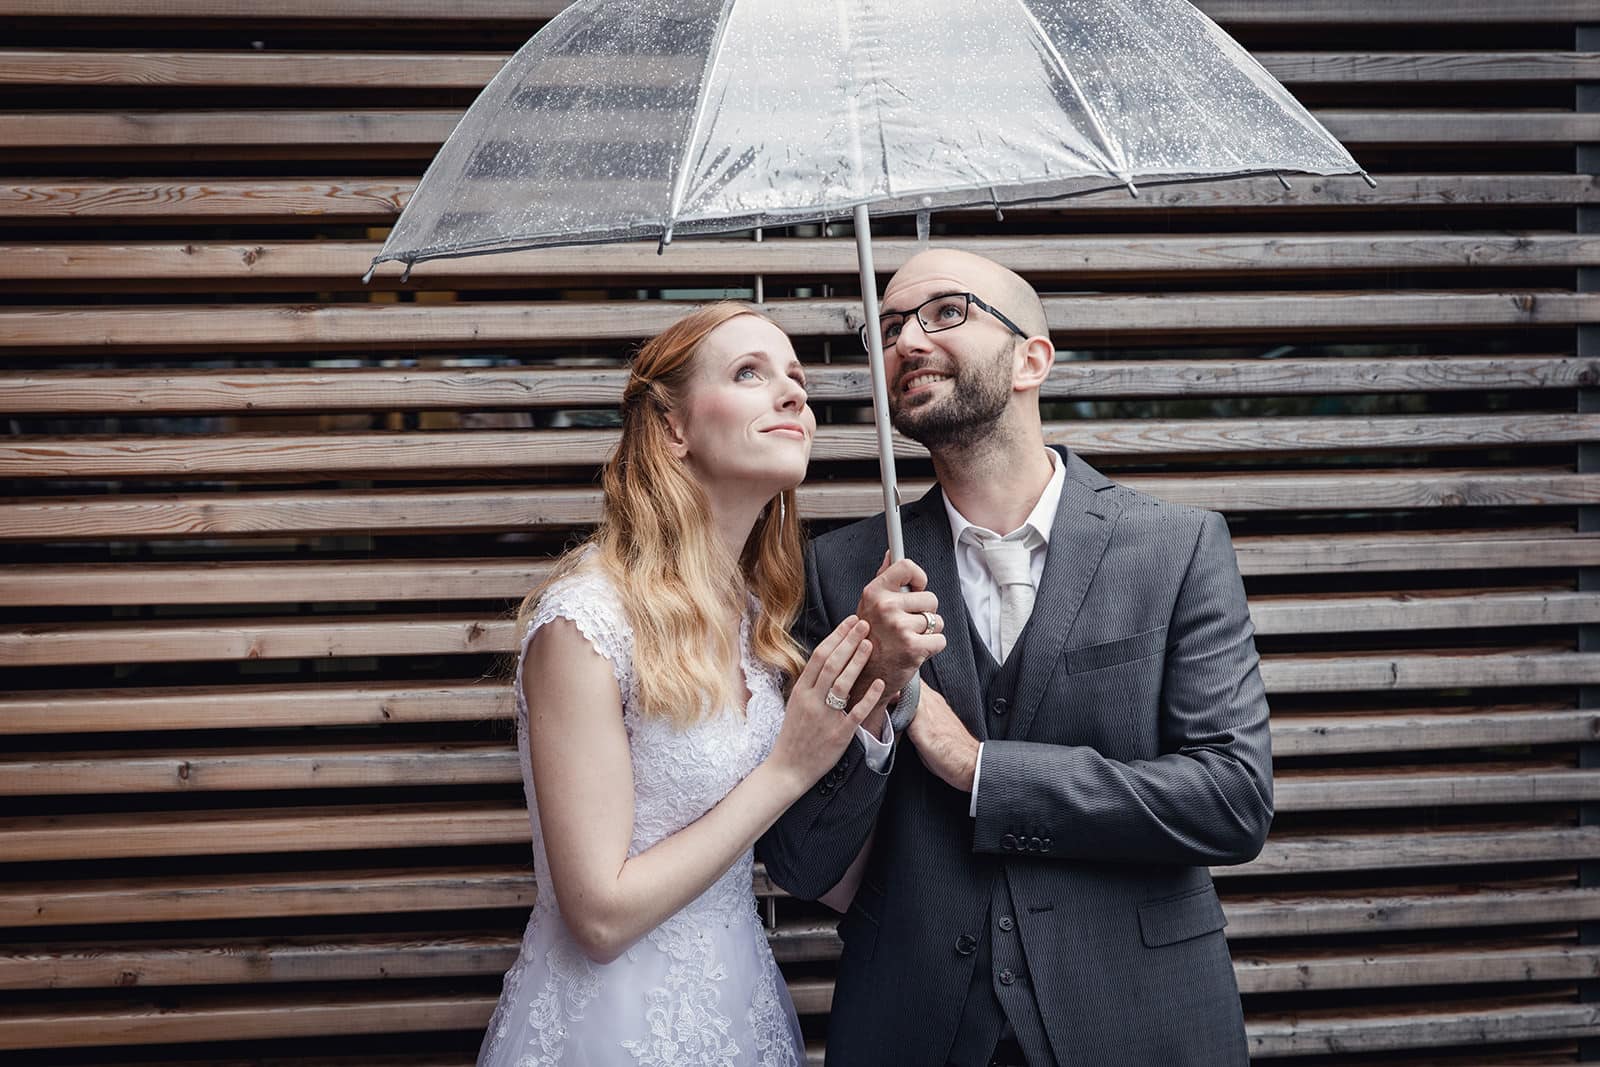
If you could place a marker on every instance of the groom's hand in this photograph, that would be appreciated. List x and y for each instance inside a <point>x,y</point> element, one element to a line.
<point>898,607</point>
<point>943,741</point>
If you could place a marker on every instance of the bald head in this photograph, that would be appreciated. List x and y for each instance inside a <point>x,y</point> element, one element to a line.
<point>966,272</point>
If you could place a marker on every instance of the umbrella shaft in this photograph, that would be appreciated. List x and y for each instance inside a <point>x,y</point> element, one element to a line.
<point>880,384</point>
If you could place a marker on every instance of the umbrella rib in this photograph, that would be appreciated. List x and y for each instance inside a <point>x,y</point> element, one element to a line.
<point>680,176</point>
<point>1118,166</point>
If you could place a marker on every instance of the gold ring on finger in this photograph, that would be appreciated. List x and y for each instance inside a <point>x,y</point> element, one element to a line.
<point>930,623</point>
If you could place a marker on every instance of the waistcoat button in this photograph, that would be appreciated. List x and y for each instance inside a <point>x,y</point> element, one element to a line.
<point>966,945</point>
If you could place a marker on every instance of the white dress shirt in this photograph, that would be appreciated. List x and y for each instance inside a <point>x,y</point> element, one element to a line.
<point>979,589</point>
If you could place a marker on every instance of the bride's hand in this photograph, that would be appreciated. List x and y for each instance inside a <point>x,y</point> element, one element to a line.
<point>814,735</point>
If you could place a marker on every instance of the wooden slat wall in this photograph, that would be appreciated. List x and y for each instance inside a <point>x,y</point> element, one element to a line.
<point>264,525</point>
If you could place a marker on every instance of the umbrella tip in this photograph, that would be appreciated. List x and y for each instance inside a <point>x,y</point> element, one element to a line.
<point>666,239</point>
<point>366,279</point>
<point>405,275</point>
<point>1133,190</point>
<point>1368,179</point>
<point>1278,174</point>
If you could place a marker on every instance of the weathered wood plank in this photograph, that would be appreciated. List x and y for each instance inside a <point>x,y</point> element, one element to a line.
<point>1357,792</point>
<point>420,132</point>
<point>1312,915</point>
<point>1451,670</point>
<point>354,389</point>
<point>239,1016</point>
<point>1407,730</point>
<point>472,70</point>
<point>305,263</point>
<point>1315,1033</point>
<point>171,641</point>
<point>217,833</point>
<point>265,706</point>
<point>381,199</point>
<point>393,511</point>
<point>262,894</point>
<point>248,962</point>
<point>293,581</point>
<point>209,770</point>
<point>1302,854</point>
<point>424,326</point>
<point>326,454</point>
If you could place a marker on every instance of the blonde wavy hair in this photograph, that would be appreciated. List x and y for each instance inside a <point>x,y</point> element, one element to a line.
<point>656,544</point>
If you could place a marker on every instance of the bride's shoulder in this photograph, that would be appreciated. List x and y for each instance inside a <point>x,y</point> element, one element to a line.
<point>587,596</point>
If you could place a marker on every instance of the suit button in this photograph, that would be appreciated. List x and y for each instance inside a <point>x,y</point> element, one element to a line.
<point>1006,977</point>
<point>1000,706</point>
<point>966,945</point>
<point>1007,923</point>
<point>1047,844</point>
<point>825,789</point>
<point>1035,845</point>
<point>1008,842</point>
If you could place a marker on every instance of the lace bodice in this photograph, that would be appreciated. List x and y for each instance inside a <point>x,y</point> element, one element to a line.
<point>705,987</point>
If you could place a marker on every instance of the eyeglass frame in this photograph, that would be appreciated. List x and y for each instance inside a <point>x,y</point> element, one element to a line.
<point>972,298</point>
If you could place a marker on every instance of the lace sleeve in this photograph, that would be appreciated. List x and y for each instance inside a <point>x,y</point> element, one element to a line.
<point>589,601</point>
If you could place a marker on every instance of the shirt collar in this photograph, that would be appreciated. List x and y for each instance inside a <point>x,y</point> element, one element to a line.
<point>1043,516</point>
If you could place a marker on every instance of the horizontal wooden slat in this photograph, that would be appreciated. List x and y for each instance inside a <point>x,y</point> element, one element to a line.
<point>1312,914</point>
<point>1455,670</point>
<point>173,640</point>
<point>290,959</point>
<point>420,132</point>
<point>414,511</point>
<point>462,578</point>
<point>1354,792</point>
<point>264,894</point>
<point>326,454</point>
<point>206,770</point>
<point>215,833</point>
<point>336,389</point>
<point>381,199</point>
<point>1320,1033</point>
<point>240,1016</point>
<point>205,707</point>
<point>1323,854</point>
<point>471,70</point>
<point>1411,730</point>
<point>302,264</point>
<point>420,326</point>
<point>1304,12</point>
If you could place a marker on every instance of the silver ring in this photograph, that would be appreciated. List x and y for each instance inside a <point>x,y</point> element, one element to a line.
<point>835,701</point>
<point>930,623</point>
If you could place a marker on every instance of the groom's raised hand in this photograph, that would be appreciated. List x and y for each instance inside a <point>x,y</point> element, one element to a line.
<point>903,617</point>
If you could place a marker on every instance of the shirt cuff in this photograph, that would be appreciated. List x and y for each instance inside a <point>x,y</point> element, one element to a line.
<point>877,749</point>
<point>977,772</point>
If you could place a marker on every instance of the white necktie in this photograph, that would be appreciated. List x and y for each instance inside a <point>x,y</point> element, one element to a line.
<point>1009,560</point>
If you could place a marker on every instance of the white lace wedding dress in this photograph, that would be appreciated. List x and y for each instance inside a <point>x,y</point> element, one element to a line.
<point>701,989</point>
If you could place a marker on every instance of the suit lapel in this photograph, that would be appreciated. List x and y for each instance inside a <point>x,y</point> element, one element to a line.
<point>1084,520</point>
<point>953,671</point>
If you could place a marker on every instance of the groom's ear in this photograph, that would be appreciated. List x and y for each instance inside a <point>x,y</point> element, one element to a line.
<point>1035,358</point>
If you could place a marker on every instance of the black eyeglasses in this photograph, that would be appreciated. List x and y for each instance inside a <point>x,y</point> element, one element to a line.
<point>944,312</point>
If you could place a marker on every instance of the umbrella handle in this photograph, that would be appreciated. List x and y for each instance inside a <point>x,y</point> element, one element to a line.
<point>905,709</point>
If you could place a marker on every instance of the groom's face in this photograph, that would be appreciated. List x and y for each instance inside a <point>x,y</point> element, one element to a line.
<point>949,387</point>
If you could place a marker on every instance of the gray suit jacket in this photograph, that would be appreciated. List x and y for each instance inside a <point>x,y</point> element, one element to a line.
<point>1137,756</point>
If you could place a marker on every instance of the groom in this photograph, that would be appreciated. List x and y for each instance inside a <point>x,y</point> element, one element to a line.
<point>1036,888</point>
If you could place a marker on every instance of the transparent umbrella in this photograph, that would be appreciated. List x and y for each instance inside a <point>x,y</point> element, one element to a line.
<point>645,119</point>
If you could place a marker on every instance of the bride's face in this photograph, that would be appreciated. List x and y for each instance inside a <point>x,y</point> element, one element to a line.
<point>744,416</point>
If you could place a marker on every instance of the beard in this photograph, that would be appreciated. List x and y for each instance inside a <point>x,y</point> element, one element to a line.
<point>969,413</point>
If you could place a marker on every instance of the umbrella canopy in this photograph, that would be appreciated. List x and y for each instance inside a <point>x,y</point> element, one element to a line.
<point>628,119</point>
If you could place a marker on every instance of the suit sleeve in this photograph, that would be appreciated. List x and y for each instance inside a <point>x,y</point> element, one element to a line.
<point>809,848</point>
<point>1207,800</point>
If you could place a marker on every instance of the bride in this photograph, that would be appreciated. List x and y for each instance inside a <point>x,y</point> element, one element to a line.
<point>656,741</point>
